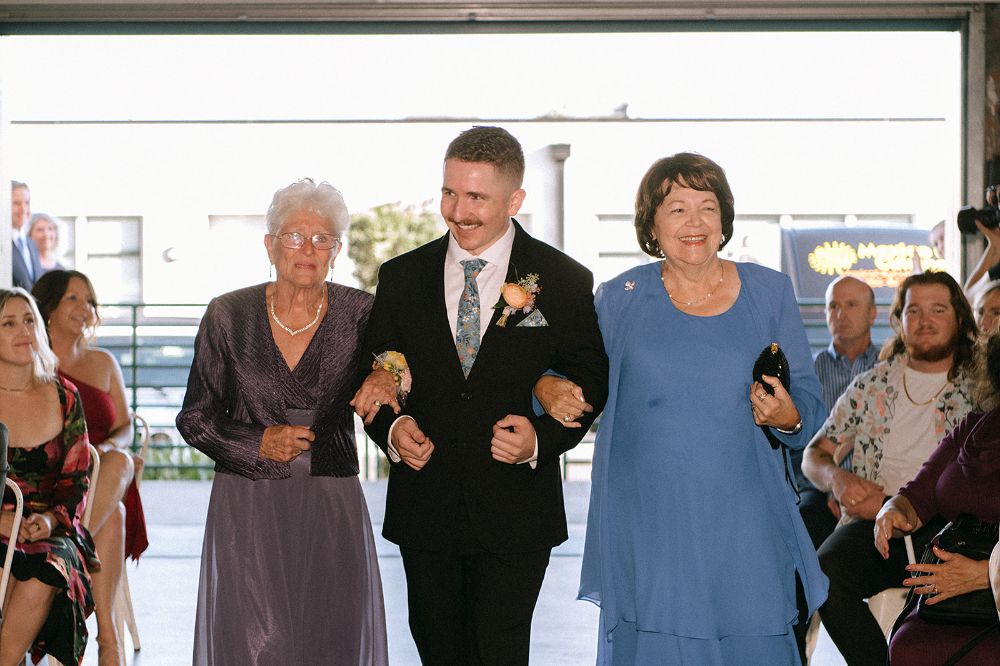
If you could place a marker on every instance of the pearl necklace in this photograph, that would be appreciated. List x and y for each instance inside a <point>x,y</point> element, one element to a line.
<point>663,278</point>
<point>288,329</point>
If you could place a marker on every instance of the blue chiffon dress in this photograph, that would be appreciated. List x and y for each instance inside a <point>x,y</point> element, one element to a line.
<point>693,538</point>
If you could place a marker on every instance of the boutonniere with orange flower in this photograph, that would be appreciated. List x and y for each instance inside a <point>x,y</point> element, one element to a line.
<point>516,296</point>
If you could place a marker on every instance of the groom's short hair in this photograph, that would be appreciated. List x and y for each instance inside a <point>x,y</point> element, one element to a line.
<point>492,145</point>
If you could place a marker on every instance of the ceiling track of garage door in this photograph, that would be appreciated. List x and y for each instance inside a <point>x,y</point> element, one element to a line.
<point>483,11</point>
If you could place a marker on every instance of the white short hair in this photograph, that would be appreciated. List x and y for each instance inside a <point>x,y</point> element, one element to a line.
<point>323,199</point>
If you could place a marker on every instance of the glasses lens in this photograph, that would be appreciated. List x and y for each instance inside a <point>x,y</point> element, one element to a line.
<point>324,241</point>
<point>292,240</point>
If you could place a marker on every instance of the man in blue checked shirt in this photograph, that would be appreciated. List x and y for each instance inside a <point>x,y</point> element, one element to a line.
<point>850,313</point>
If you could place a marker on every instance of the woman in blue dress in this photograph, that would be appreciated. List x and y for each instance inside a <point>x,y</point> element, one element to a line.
<point>695,548</point>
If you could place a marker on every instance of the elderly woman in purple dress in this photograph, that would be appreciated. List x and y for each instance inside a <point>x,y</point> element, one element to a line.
<point>289,570</point>
<point>961,476</point>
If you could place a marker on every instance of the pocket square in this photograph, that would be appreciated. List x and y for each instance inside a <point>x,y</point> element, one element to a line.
<point>533,320</point>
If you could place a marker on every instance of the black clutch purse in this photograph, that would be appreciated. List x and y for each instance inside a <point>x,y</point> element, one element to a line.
<point>772,362</point>
<point>975,539</point>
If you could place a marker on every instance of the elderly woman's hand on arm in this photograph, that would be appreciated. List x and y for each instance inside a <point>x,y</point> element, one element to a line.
<point>378,389</point>
<point>562,400</point>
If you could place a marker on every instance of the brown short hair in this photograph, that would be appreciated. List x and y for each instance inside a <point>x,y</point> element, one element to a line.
<point>492,145</point>
<point>965,337</point>
<point>688,170</point>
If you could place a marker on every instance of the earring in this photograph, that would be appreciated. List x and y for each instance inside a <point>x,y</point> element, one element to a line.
<point>270,272</point>
<point>722,243</point>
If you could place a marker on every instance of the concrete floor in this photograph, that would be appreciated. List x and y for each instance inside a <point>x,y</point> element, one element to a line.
<point>165,583</point>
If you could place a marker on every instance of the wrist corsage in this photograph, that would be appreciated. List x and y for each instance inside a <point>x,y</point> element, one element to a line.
<point>516,296</point>
<point>395,364</point>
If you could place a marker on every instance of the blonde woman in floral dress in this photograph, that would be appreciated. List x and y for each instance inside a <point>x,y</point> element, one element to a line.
<point>49,460</point>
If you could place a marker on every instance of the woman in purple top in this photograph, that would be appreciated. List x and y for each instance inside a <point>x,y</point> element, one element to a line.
<point>289,568</point>
<point>961,476</point>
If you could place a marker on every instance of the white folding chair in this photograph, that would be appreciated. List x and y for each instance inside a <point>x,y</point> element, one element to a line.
<point>124,611</point>
<point>886,607</point>
<point>95,472</point>
<point>9,557</point>
<point>995,575</point>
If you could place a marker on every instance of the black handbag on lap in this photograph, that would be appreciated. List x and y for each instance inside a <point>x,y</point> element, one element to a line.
<point>975,539</point>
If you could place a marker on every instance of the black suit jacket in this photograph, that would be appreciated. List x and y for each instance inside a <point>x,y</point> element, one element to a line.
<point>19,271</point>
<point>513,508</point>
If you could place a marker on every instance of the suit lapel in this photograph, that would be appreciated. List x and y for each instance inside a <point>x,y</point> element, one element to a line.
<point>18,259</point>
<point>439,333</point>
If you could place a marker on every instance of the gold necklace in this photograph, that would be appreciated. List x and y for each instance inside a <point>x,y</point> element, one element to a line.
<point>288,329</point>
<point>16,390</point>
<point>929,400</point>
<point>663,278</point>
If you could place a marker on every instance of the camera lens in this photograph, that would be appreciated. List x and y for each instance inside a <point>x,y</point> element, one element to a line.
<point>967,216</point>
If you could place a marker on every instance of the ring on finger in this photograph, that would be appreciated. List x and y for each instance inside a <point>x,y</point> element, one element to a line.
<point>761,395</point>
<point>377,403</point>
<point>567,418</point>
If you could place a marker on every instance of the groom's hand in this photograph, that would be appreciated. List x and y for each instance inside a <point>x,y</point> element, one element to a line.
<point>412,445</point>
<point>513,439</point>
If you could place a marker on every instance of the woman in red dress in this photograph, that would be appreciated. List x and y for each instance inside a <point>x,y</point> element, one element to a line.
<point>67,302</point>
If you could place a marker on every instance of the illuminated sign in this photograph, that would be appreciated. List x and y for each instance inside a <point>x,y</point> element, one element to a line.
<point>878,264</point>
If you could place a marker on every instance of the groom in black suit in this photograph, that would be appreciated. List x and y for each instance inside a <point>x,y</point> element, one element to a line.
<point>475,492</point>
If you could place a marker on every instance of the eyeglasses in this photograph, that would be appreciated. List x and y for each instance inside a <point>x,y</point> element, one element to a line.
<point>293,240</point>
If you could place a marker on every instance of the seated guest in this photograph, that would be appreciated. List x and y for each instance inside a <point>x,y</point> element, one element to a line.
<point>44,230</point>
<point>961,476</point>
<point>987,307</point>
<point>68,305</point>
<point>850,313</point>
<point>890,419</point>
<point>49,596</point>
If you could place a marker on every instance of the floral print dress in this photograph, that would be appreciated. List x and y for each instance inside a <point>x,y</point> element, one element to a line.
<point>54,477</point>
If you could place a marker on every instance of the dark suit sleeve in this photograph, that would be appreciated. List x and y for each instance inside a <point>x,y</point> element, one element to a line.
<point>380,336</point>
<point>206,419</point>
<point>580,358</point>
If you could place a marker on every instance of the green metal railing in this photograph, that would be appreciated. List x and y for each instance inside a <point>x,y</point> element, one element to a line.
<point>154,343</point>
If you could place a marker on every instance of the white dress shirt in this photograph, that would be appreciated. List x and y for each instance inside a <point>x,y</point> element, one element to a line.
<point>489,281</point>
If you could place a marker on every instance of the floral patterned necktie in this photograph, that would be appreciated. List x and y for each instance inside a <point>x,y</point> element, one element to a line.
<point>467,330</point>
